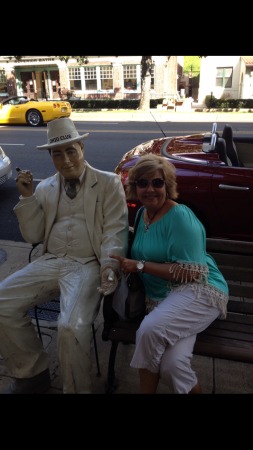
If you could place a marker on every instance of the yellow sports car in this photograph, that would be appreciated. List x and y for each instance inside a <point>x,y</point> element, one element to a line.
<point>21,110</point>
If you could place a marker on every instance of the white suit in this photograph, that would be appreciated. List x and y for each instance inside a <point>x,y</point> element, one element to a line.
<point>106,217</point>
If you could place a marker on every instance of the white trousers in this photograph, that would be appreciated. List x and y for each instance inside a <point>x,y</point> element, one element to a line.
<point>166,337</point>
<point>36,283</point>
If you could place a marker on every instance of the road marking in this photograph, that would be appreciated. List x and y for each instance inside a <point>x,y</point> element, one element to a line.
<point>11,144</point>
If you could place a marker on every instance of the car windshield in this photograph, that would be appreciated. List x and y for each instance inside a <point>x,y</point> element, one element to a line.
<point>15,100</point>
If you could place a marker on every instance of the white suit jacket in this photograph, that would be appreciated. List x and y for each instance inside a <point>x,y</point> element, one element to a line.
<point>104,207</point>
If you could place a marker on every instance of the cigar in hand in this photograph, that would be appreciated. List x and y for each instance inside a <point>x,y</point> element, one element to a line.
<point>24,183</point>
<point>18,170</point>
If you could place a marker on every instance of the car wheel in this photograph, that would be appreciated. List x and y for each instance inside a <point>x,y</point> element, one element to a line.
<point>34,118</point>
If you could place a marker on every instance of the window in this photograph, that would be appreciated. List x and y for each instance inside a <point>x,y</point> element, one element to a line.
<point>224,77</point>
<point>94,79</point>
<point>27,82</point>
<point>90,78</point>
<point>152,86</point>
<point>130,77</point>
<point>75,78</point>
<point>106,77</point>
<point>2,76</point>
<point>3,83</point>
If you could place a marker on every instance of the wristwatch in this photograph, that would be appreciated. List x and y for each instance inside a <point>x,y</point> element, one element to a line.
<point>140,265</point>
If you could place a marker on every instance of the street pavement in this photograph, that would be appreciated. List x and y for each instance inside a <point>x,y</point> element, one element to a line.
<point>230,377</point>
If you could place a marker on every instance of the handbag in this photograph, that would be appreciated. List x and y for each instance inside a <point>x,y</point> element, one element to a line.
<point>135,305</point>
<point>132,231</point>
<point>129,299</point>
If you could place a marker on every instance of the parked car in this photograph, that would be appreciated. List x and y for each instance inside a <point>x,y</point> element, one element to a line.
<point>215,178</point>
<point>21,110</point>
<point>5,167</point>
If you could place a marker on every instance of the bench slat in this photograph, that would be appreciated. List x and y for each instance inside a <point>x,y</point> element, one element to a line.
<point>238,290</point>
<point>233,261</point>
<point>224,349</point>
<point>233,318</point>
<point>238,333</point>
<point>123,335</point>
<point>242,307</point>
<point>237,274</point>
<point>229,246</point>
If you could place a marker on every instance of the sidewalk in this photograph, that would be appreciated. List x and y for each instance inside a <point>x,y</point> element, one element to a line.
<point>230,377</point>
<point>161,116</point>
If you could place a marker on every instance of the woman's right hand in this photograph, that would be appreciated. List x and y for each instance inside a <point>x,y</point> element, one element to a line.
<point>24,182</point>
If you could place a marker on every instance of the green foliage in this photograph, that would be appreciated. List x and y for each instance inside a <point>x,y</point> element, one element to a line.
<point>111,104</point>
<point>210,101</point>
<point>79,59</point>
<point>231,103</point>
<point>191,65</point>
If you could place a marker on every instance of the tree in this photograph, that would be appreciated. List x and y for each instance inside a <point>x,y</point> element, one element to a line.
<point>79,59</point>
<point>146,66</point>
<point>191,65</point>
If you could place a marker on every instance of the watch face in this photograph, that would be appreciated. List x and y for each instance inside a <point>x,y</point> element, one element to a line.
<point>140,265</point>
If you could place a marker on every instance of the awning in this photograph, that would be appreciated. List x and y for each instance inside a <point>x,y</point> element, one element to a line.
<point>248,60</point>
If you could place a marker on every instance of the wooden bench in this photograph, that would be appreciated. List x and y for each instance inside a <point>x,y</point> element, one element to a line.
<point>230,339</point>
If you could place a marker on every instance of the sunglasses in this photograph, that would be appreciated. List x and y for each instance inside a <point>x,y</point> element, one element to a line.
<point>157,183</point>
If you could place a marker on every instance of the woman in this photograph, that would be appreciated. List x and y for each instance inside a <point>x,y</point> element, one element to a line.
<point>185,290</point>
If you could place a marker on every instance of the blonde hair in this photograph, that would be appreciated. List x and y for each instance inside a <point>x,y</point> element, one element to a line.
<point>147,165</point>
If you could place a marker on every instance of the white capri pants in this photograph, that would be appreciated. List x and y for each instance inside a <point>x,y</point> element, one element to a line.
<point>166,337</point>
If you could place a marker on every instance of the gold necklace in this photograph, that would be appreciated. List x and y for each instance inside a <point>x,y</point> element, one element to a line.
<point>150,219</point>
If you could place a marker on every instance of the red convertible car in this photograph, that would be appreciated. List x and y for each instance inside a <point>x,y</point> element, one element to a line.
<point>215,178</point>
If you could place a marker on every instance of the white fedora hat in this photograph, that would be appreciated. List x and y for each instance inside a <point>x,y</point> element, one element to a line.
<point>60,132</point>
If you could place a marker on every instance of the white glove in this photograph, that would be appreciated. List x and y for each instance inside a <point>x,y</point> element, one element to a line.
<point>109,281</point>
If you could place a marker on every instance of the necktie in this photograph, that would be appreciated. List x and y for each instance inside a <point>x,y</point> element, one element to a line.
<point>71,188</point>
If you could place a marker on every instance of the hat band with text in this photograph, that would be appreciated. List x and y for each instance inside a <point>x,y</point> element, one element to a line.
<point>61,138</point>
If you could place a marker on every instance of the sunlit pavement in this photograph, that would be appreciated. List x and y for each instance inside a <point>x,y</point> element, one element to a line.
<point>162,116</point>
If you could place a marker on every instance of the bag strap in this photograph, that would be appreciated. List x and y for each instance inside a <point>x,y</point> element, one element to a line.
<point>138,216</point>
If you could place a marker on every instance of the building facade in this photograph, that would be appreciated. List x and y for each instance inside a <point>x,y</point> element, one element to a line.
<point>116,77</point>
<point>228,77</point>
